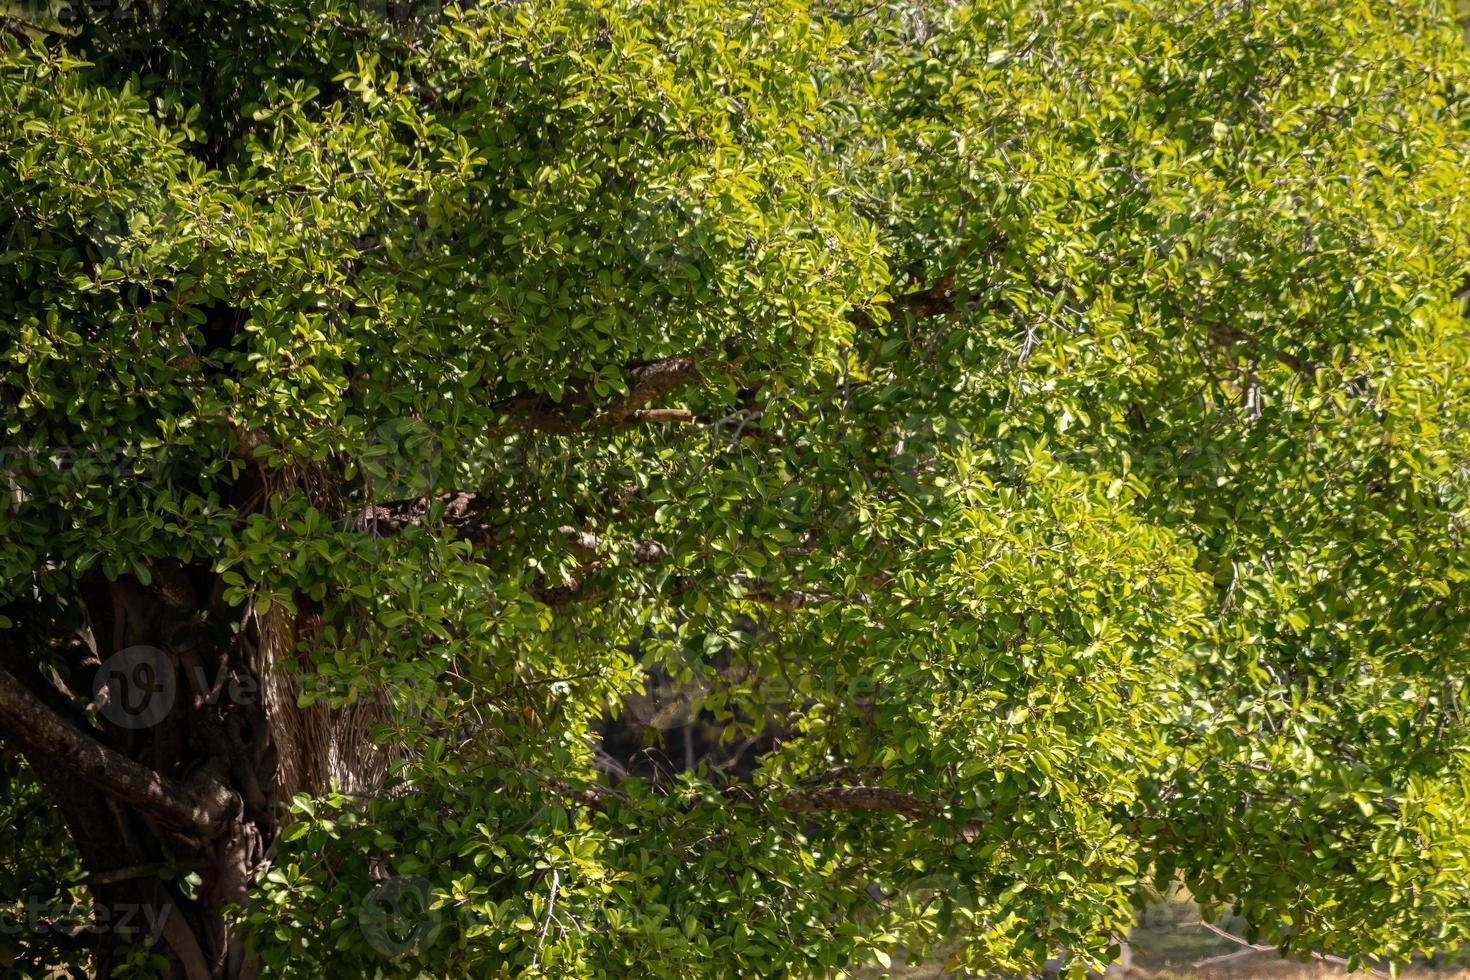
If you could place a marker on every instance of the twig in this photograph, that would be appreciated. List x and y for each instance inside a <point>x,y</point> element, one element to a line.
<point>550,908</point>
<point>1258,948</point>
<point>1224,958</point>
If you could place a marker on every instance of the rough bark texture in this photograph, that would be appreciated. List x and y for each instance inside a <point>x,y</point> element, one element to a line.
<point>192,791</point>
<point>198,790</point>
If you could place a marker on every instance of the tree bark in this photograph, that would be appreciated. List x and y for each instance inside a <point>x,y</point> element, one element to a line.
<point>171,818</point>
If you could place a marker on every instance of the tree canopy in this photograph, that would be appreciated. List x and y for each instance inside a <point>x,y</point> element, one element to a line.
<point>1026,442</point>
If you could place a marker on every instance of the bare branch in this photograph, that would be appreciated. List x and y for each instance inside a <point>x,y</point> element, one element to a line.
<point>662,415</point>
<point>1249,947</point>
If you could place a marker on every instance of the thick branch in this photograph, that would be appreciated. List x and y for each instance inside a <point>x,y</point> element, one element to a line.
<point>26,672</point>
<point>879,798</point>
<point>463,512</point>
<point>39,729</point>
<point>938,300</point>
<point>646,382</point>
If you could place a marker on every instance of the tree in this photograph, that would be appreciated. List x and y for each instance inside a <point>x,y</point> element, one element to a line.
<point>1021,448</point>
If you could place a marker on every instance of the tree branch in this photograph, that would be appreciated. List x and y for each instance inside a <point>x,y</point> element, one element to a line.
<point>937,300</point>
<point>1249,947</point>
<point>41,730</point>
<point>1228,336</point>
<point>648,381</point>
<point>27,673</point>
<point>790,600</point>
<point>879,798</point>
<point>463,513</point>
<point>818,799</point>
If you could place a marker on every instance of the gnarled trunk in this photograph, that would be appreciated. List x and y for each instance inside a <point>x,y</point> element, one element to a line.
<point>172,782</point>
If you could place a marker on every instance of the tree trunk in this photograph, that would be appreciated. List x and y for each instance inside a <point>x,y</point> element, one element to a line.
<point>173,781</point>
<point>167,783</point>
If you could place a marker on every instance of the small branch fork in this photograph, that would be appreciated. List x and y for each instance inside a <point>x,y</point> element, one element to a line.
<point>546,924</point>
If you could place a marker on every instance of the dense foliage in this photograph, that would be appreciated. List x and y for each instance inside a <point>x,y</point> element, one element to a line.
<point>1034,432</point>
